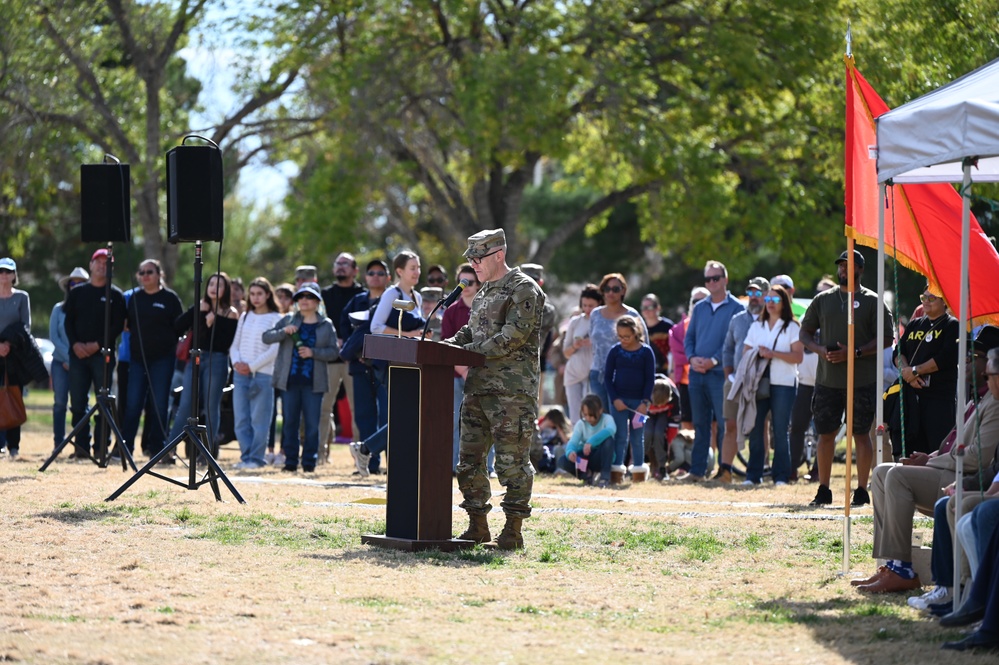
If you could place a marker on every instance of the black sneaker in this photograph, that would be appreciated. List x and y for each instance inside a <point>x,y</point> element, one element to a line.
<point>309,469</point>
<point>860,497</point>
<point>290,468</point>
<point>823,497</point>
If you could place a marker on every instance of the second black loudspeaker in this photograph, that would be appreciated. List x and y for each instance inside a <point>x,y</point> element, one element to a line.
<point>104,203</point>
<point>194,193</point>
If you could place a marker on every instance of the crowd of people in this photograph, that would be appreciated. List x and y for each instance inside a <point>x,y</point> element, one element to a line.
<point>641,397</point>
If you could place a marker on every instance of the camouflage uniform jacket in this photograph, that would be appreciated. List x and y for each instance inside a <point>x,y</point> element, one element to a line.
<point>505,326</point>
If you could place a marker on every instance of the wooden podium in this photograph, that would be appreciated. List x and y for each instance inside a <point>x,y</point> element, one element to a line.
<point>420,441</point>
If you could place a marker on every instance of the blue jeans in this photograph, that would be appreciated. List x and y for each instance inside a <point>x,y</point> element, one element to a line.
<point>213,372</point>
<point>599,460</point>
<point>300,402</point>
<point>707,400</point>
<point>625,435</point>
<point>779,404</point>
<point>984,520</point>
<point>252,409</point>
<point>370,413</point>
<point>84,374</point>
<point>60,394</point>
<point>598,388</point>
<point>942,555</point>
<point>157,381</point>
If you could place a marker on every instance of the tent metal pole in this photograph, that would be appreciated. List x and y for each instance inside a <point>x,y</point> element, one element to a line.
<point>964,317</point>
<point>850,369</point>
<point>880,385</point>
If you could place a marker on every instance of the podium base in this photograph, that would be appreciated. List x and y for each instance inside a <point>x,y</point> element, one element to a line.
<point>410,545</point>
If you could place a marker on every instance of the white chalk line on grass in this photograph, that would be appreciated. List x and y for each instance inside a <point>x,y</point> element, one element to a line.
<point>617,499</point>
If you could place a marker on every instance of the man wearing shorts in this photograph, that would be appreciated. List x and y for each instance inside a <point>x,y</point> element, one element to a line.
<point>828,315</point>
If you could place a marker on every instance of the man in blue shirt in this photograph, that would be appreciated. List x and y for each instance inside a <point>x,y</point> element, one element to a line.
<point>703,344</point>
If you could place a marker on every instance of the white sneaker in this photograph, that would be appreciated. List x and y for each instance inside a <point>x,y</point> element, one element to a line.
<point>360,459</point>
<point>780,483</point>
<point>279,459</point>
<point>936,595</point>
<point>748,483</point>
<point>269,458</point>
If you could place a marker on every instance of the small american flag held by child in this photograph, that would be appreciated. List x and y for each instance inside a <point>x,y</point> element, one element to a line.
<point>581,463</point>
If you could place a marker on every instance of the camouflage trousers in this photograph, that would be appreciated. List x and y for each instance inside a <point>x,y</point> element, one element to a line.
<point>506,422</point>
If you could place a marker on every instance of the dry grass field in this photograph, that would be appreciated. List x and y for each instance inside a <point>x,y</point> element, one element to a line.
<point>649,573</point>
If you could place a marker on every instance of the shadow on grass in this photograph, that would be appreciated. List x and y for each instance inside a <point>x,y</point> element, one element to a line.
<point>390,558</point>
<point>852,626</point>
<point>94,512</point>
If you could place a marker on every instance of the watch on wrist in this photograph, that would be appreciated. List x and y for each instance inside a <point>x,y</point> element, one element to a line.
<point>859,353</point>
<point>915,372</point>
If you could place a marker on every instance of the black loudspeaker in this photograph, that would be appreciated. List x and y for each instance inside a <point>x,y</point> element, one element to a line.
<point>104,203</point>
<point>194,193</point>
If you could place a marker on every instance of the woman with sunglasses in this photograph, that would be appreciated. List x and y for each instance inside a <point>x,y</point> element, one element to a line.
<point>927,359</point>
<point>15,308</point>
<point>775,336</point>
<point>308,341</point>
<point>151,310</point>
<point>603,329</point>
<point>659,327</point>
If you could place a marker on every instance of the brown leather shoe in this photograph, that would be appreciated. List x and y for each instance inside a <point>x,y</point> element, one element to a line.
<point>891,582</point>
<point>870,580</point>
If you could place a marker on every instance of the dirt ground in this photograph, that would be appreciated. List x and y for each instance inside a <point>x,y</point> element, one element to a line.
<point>650,573</point>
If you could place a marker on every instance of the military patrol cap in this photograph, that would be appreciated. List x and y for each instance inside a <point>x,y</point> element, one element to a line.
<point>434,293</point>
<point>535,271</point>
<point>761,283</point>
<point>308,273</point>
<point>484,243</point>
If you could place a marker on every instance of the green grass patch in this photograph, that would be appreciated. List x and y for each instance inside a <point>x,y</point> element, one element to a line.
<point>698,544</point>
<point>264,529</point>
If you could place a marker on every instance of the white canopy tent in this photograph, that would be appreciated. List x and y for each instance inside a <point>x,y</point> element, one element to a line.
<point>948,135</point>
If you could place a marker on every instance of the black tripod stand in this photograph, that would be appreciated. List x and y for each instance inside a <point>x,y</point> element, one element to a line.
<point>104,404</point>
<point>194,434</point>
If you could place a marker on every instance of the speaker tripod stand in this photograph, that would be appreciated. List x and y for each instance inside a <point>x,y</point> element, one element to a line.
<point>104,403</point>
<point>194,433</point>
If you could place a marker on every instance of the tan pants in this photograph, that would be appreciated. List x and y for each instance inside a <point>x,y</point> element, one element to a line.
<point>336,373</point>
<point>897,492</point>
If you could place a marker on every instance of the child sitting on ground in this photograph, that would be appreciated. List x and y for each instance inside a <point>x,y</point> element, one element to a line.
<point>592,440</point>
<point>553,434</point>
<point>662,425</point>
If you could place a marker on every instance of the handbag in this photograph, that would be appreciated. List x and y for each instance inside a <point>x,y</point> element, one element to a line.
<point>763,387</point>
<point>12,413</point>
<point>184,347</point>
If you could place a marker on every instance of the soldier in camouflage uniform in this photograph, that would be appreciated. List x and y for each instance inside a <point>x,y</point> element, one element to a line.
<point>500,406</point>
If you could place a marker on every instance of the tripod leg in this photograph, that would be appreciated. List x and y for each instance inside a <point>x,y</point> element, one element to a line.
<point>84,422</point>
<point>215,471</point>
<point>153,461</point>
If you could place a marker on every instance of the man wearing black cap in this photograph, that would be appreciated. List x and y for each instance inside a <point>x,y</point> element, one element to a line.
<point>85,329</point>
<point>828,313</point>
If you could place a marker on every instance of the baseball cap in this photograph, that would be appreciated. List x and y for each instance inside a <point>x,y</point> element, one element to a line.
<point>783,280</point>
<point>761,283</point>
<point>858,258</point>
<point>98,254</point>
<point>308,289</point>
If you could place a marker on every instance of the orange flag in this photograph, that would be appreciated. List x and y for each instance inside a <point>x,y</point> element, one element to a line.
<point>922,222</point>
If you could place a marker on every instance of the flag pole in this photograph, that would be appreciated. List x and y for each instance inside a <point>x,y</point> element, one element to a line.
<point>848,58</point>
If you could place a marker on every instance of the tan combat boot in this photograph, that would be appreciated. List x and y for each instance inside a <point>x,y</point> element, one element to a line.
<point>478,529</point>
<point>510,538</point>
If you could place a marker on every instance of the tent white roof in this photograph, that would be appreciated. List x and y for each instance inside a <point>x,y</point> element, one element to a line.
<point>926,139</point>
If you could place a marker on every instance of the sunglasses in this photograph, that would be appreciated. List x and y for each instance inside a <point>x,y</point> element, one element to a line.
<point>771,299</point>
<point>713,278</point>
<point>754,293</point>
<point>143,273</point>
<point>612,289</point>
<point>435,280</point>
<point>377,273</point>
<point>6,271</point>
<point>925,299</point>
<point>478,259</point>
<point>648,308</point>
<point>992,374</point>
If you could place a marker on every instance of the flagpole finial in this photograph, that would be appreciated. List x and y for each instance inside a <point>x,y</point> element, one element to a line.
<point>849,40</point>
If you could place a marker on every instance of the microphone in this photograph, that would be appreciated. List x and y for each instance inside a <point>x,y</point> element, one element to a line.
<point>444,302</point>
<point>451,297</point>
